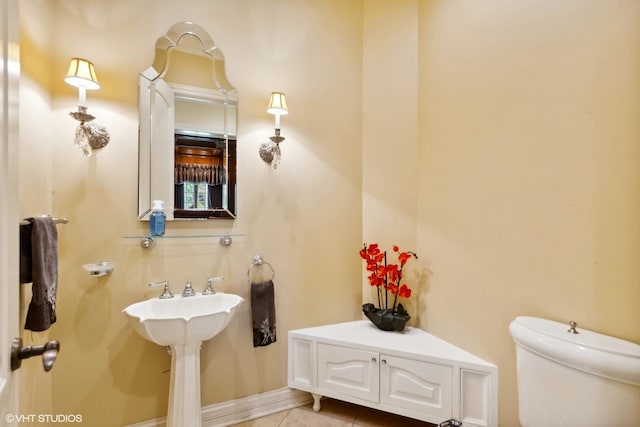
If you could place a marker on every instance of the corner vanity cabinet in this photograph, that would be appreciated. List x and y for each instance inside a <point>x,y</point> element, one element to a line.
<point>410,373</point>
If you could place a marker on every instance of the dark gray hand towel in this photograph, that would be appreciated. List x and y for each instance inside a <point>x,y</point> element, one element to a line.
<point>39,265</point>
<point>263,313</point>
<point>25,253</point>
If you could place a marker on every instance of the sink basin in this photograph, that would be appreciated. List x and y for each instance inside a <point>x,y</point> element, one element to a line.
<point>181,320</point>
<point>183,323</point>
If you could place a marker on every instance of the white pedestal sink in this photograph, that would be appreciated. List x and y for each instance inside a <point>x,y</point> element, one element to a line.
<point>183,323</point>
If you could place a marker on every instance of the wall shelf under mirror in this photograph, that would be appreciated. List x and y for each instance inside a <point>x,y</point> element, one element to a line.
<point>149,242</point>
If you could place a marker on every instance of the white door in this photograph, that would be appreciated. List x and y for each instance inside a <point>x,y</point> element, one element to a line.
<point>9,246</point>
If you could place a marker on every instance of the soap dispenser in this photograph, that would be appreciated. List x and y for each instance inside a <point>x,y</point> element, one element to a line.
<point>157,219</point>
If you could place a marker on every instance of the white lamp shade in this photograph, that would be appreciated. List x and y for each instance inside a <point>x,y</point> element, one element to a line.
<point>277,104</point>
<point>82,74</point>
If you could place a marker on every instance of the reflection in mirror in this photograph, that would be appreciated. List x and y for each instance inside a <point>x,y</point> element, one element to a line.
<point>187,139</point>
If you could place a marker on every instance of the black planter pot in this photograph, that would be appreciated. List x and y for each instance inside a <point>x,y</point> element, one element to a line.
<point>385,320</point>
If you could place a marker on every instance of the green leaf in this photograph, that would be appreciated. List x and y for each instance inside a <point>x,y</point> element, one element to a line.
<point>401,311</point>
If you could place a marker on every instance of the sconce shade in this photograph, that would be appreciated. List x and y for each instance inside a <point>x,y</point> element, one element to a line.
<point>277,104</point>
<point>82,74</point>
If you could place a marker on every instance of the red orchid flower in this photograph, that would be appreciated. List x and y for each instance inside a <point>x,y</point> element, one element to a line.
<point>373,250</point>
<point>404,257</point>
<point>393,288</point>
<point>405,291</point>
<point>393,272</point>
<point>387,276</point>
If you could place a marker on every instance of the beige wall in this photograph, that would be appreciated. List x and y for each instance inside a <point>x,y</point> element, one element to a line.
<point>390,130</point>
<point>529,196</point>
<point>304,218</point>
<point>498,139</point>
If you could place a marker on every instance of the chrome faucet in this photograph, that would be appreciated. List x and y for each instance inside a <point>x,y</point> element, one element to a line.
<point>188,290</point>
<point>166,293</point>
<point>208,290</point>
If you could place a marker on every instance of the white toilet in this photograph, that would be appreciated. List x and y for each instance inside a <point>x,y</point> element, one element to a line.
<point>569,379</point>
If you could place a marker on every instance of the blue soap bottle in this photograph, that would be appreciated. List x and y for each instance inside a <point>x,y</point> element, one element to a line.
<point>157,219</point>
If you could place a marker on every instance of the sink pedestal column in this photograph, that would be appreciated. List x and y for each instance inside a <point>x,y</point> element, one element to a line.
<point>184,390</point>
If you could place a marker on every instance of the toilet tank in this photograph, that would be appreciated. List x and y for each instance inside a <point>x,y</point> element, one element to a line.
<point>569,380</point>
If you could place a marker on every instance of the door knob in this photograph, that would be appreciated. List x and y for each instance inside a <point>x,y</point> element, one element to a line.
<point>49,352</point>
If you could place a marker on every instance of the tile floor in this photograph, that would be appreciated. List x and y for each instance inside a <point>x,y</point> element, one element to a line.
<point>334,413</point>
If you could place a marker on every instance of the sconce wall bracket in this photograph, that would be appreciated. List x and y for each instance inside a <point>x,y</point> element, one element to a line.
<point>270,151</point>
<point>81,115</point>
<point>89,134</point>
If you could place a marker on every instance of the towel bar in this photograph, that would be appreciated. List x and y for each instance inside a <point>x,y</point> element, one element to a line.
<point>257,260</point>
<point>55,220</point>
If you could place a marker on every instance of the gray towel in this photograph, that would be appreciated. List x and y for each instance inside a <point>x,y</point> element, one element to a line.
<point>39,265</point>
<point>263,313</point>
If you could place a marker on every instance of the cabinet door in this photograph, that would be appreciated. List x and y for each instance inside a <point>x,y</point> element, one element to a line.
<point>425,388</point>
<point>348,371</point>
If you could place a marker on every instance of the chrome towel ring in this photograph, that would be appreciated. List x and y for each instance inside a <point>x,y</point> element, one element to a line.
<point>256,261</point>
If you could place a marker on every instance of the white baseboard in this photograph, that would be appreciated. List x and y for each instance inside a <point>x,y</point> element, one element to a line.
<point>243,409</point>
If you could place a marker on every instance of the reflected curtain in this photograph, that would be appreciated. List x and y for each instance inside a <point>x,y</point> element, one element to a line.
<point>212,175</point>
<point>178,195</point>
<point>215,196</point>
<point>215,189</point>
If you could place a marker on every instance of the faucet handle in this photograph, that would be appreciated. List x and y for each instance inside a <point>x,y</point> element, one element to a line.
<point>188,290</point>
<point>208,290</point>
<point>166,293</point>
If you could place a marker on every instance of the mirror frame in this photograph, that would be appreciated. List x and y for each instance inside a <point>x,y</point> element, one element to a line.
<point>149,137</point>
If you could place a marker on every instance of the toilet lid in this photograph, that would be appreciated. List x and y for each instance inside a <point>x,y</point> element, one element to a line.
<point>588,351</point>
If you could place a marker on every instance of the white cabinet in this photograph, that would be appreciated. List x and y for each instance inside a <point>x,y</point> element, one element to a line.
<point>412,373</point>
<point>414,385</point>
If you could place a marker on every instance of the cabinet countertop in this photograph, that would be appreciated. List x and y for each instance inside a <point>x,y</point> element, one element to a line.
<point>411,340</point>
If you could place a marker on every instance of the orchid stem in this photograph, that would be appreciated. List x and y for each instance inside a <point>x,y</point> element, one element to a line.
<point>386,283</point>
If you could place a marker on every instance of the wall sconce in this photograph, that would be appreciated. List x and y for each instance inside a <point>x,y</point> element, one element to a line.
<point>89,135</point>
<point>270,151</point>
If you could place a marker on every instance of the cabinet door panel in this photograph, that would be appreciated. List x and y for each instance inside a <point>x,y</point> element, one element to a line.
<point>348,371</point>
<point>301,363</point>
<point>475,395</point>
<point>417,386</point>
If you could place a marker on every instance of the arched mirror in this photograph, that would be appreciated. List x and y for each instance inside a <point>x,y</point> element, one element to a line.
<point>188,128</point>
